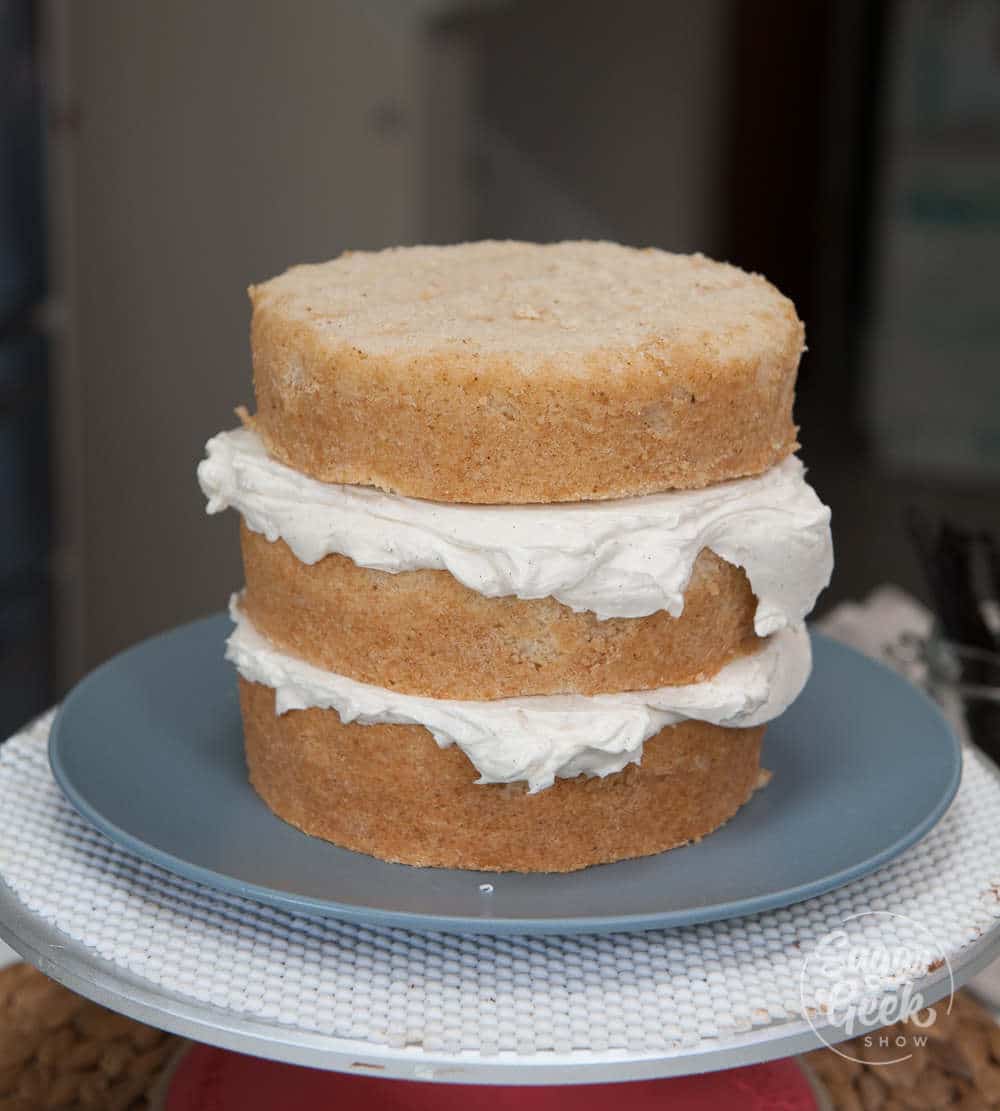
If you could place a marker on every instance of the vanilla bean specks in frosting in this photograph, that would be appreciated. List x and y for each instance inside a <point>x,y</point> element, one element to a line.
<point>627,557</point>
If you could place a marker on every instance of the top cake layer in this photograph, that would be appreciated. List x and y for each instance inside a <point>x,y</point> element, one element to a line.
<point>511,372</point>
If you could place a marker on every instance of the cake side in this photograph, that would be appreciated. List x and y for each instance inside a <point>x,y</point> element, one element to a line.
<point>389,791</point>
<point>511,372</point>
<point>425,633</point>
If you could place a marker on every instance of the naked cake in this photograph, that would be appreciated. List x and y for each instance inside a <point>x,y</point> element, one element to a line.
<point>527,549</point>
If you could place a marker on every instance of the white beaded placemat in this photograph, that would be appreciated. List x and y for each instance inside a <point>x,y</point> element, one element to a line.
<point>608,997</point>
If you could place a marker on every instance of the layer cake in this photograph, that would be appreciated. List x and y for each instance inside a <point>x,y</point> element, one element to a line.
<point>527,551</point>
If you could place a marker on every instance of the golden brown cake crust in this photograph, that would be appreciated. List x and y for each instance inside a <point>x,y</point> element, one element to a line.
<point>389,791</point>
<point>512,372</point>
<point>423,632</point>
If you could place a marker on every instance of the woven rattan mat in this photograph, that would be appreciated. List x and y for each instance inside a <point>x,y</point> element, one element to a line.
<point>959,1067</point>
<point>60,1051</point>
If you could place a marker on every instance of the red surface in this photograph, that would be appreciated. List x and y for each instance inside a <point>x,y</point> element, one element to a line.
<point>215,1080</point>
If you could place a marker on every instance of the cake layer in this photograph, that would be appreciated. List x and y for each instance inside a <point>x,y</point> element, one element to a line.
<point>516,373</point>
<point>626,558</point>
<point>391,792</point>
<point>423,632</point>
<point>539,738</point>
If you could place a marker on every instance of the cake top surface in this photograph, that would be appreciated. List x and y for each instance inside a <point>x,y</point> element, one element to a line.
<point>535,304</point>
<point>506,372</point>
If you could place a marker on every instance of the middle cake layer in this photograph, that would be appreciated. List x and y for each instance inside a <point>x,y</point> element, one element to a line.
<point>425,633</point>
<point>489,602</point>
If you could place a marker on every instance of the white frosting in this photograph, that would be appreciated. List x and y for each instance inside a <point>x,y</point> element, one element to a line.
<point>628,557</point>
<point>538,738</point>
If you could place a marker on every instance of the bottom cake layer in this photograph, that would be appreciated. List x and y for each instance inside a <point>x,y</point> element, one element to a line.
<point>391,792</point>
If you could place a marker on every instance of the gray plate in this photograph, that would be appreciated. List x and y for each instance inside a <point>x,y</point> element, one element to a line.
<point>148,748</point>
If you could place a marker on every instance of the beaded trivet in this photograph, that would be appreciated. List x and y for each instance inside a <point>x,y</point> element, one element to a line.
<point>419,1002</point>
<point>59,1051</point>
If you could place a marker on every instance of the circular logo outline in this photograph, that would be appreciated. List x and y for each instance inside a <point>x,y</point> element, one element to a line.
<point>941,961</point>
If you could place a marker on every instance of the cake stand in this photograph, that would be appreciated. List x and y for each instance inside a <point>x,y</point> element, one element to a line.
<point>463,1008</point>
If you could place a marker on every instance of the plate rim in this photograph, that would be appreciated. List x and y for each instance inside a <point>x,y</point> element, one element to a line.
<point>310,906</point>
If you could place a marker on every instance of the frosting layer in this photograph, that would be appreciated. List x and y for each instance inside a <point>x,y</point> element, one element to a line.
<point>629,557</point>
<point>538,738</point>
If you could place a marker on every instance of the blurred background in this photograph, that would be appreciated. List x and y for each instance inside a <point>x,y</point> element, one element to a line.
<point>155,158</point>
